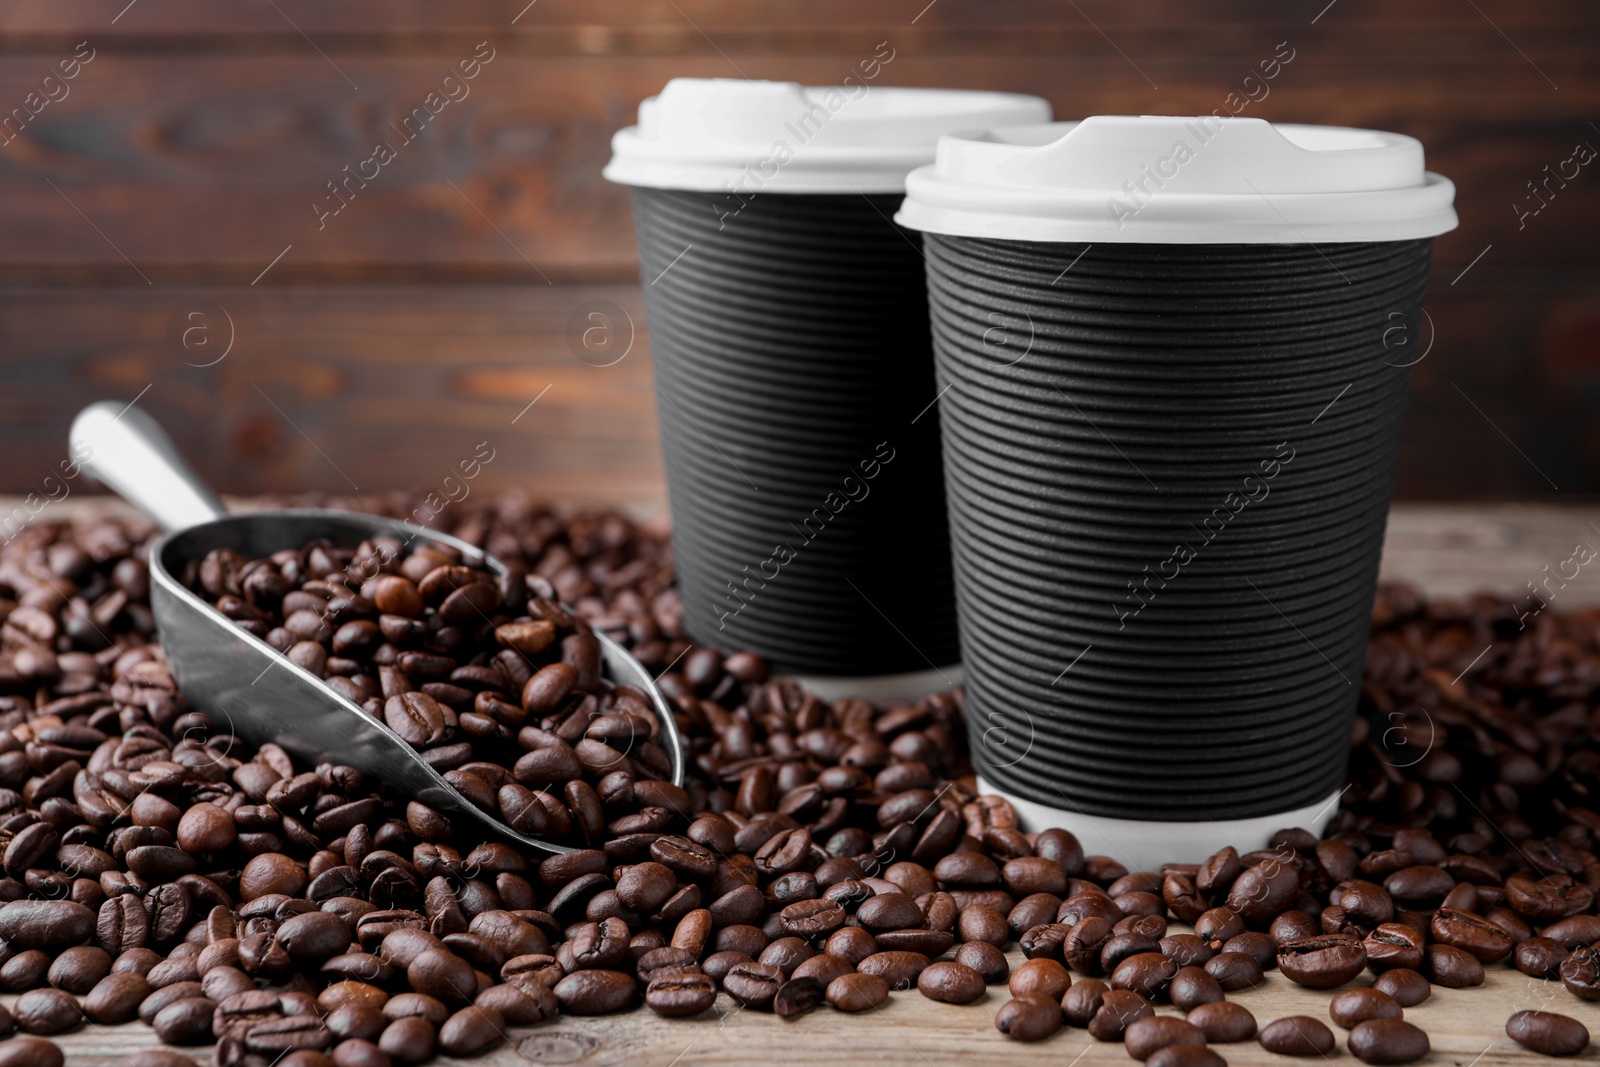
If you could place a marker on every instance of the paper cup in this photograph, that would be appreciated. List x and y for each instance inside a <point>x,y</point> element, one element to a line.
<point>789,335</point>
<point>1174,356</point>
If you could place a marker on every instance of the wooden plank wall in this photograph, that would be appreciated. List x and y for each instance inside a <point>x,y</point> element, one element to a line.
<point>160,205</point>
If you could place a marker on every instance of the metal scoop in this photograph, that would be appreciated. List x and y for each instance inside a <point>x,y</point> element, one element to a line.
<point>241,680</point>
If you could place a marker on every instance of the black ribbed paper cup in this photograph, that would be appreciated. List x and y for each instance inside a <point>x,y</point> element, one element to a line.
<point>789,332</point>
<point>792,359</point>
<point>1167,517</point>
<point>1169,457</point>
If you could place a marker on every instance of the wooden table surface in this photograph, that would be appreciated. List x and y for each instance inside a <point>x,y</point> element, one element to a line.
<point>1446,549</point>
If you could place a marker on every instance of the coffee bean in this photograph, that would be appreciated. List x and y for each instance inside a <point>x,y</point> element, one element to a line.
<point>890,911</point>
<point>1262,891</point>
<point>899,969</point>
<point>1471,933</point>
<point>986,959</point>
<point>596,992</point>
<point>1354,1006</point>
<point>1539,957</point>
<point>753,984</point>
<point>1258,946</point>
<point>411,1039</point>
<point>1407,987</point>
<point>823,967</point>
<point>1387,1041</point>
<point>274,1036</point>
<point>47,1011</point>
<point>1455,968</point>
<point>272,873</point>
<point>355,1021</point>
<point>1234,971</point>
<point>799,995</point>
<point>1293,925</point>
<point>1040,977</point>
<point>471,1031</point>
<point>45,924</point>
<point>1079,1003</point>
<point>1186,1056</point>
<point>1026,1018</point>
<point>1192,987</point>
<point>1322,962</point>
<point>77,970</point>
<point>1145,1036</point>
<point>519,1003</point>
<point>154,1057</point>
<point>1574,931</point>
<point>316,935</point>
<point>116,998</point>
<point>30,1052</point>
<point>1144,973</point>
<point>680,994</point>
<point>953,983</point>
<point>1119,1009</point>
<point>185,1022</point>
<point>24,970</point>
<point>359,1052</point>
<point>1224,1022</point>
<point>1547,1033</point>
<point>1393,945</point>
<point>860,992</point>
<point>1297,1035</point>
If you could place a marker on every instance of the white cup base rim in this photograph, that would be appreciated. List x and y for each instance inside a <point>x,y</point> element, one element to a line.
<point>1144,845</point>
<point>878,688</point>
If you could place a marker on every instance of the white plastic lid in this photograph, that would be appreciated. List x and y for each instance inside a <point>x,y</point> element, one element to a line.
<point>1158,179</point>
<point>722,134</point>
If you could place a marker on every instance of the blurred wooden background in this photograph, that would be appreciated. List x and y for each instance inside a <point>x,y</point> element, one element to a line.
<point>157,212</point>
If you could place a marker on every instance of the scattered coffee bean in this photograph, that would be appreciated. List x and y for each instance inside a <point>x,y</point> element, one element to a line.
<point>153,833</point>
<point>1456,968</point>
<point>1145,1036</point>
<point>1407,987</point>
<point>680,994</point>
<point>1119,1009</point>
<point>1025,1018</point>
<point>954,983</point>
<point>30,1052</point>
<point>47,1012</point>
<point>472,1030</point>
<point>1387,1041</point>
<point>1041,977</point>
<point>1297,1035</point>
<point>1186,1056</point>
<point>860,992</point>
<point>1548,1033</point>
<point>1354,1006</point>
<point>1224,1022</point>
<point>1323,961</point>
<point>1192,987</point>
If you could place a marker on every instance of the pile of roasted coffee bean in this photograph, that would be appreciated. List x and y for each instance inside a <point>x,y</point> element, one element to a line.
<point>496,684</point>
<point>819,854</point>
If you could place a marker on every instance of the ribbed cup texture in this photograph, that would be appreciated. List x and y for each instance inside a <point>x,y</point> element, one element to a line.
<point>791,353</point>
<point>1169,469</point>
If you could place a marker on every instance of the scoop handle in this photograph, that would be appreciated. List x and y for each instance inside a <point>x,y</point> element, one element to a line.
<point>127,450</point>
